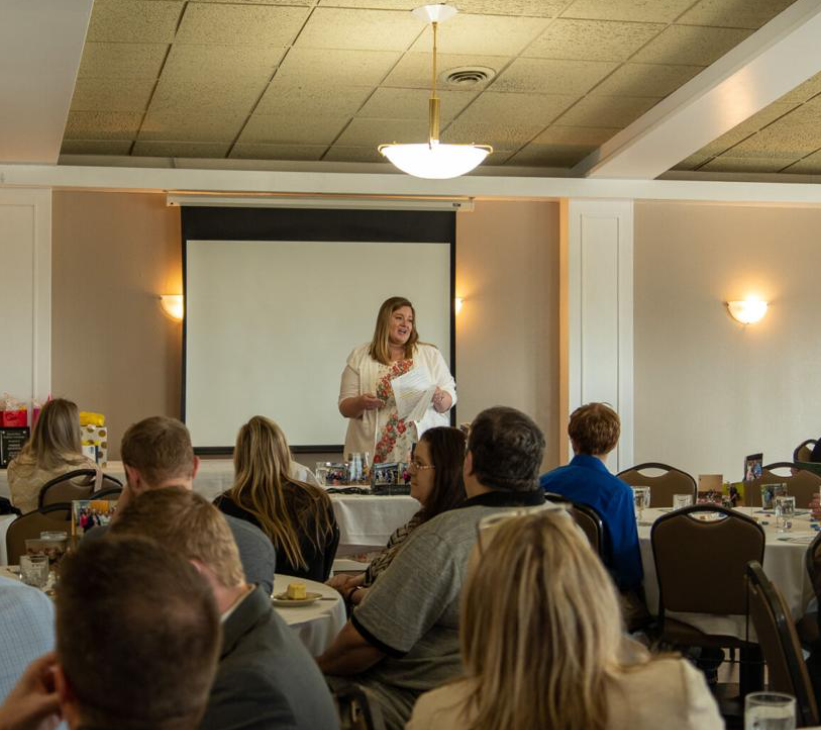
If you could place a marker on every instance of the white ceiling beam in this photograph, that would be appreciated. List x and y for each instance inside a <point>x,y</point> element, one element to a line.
<point>165,180</point>
<point>764,67</point>
<point>41,44</point>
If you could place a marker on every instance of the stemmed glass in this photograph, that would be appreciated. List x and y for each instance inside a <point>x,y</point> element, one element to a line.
<point>641,500</point>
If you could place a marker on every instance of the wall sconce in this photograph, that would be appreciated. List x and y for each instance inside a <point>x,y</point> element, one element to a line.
<point>748,311</point>
<point>172,305</point>
<point>457,304</point>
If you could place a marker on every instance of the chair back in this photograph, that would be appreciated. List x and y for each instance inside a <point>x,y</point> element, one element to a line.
<point>353,709</point>
<point>662,486</point>
<point>803,451</point>
<point>112,494</point>
<point>780,644</point>
<point>330,551</point>
<point>802,484</point>
<point>54,518</point>
<point>700,563</point>
<point>587,519</point>
<point>77,484</point>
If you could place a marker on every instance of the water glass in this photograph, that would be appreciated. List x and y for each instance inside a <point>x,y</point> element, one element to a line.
<point>682,500</point>
<point>784,513</point>
<point>34,570</point>
<point>769,711</point>
<point>641,500</point>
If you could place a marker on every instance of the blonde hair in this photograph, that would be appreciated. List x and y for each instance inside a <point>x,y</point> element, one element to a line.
<point>55,440</point>
<point>539,579</point>
<point>186,524</point>
<point>380,345</point>
<point>594,429</point>
<point>284,507</point>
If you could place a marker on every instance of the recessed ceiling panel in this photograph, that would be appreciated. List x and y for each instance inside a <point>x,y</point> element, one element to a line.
<point>413,104</point>
<point>645,79</point>
<point>682,44</point>
<point>363,132</point>
<point>617,111</point>
<point>179,127</point>
<point>303,100</point>
<point>553,77</point>
<point>641,11</point>
<point>492,35</point>
<point>277,152</point>
<point>221,63</point>
<point>241,25</point>
<point>103,125</point>
<point>112,95</point>
<point>414,69</point>
<point>312,66</point>
<point>361,30</point>
<point>123,60</point>
<point>592,40</point>
<point>143,148</point>
<point>266,129</point>
<point>734,13</point>
<point>134,21</point>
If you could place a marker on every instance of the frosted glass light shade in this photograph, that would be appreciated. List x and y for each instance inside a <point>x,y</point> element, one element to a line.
<point>748,311</point>
<point>435,161</point>
<point>436,13</point>
<point>172,305</point>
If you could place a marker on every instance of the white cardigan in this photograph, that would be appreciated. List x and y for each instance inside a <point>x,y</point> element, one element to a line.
<point>361,375</point>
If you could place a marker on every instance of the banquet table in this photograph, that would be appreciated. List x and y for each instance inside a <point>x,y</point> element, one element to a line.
<point>318,624</point>
<point>784,564</point>
<point>5,521</point>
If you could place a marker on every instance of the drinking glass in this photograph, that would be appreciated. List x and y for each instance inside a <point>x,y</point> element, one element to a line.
<point>641,500</point>
<point>769,711</point>
<point>682,500</point>
<point>34,570</point>
<point>321,472</point>
<point>784,513</point>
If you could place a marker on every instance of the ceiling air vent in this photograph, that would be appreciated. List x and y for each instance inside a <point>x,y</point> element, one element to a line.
<point>468,76</point>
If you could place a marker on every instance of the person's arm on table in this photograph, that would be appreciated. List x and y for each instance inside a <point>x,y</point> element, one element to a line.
<point>349,654</point>
<point>33,704</point>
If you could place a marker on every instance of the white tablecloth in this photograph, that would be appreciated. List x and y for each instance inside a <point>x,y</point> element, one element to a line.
<point>784,564</point>
<point>318,624</point>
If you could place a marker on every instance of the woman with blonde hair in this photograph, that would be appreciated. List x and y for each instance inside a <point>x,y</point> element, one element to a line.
<point>296,516</point>
<point>53,450</point>
<point>366,396</point>
<point>543,645</point>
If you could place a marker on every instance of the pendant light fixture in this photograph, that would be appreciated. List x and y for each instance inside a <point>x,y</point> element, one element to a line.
<point>433,159</point>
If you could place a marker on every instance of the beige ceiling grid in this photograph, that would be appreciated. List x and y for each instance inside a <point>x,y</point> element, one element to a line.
<point>332,79</point>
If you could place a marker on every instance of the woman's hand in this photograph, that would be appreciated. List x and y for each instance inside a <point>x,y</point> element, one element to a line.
<point>340,582</point>
<point>355,406</point>
<point>357,595</point>
<point>370,402</point>
<point>441,400</point>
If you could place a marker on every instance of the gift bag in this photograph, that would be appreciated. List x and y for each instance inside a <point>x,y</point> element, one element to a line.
<point>94,434</point>
<point>13,413</point>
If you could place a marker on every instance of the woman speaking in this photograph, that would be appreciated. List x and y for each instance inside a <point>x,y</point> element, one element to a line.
<point>366,396</point>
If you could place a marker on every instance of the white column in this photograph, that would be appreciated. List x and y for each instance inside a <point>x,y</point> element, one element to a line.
<point>25,292</point>
<point>597,312</point>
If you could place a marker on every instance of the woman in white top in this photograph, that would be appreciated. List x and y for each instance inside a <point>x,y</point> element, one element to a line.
<point>543,645</point>
<point>366,396</point>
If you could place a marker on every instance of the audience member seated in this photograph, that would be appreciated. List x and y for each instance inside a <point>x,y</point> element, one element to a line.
<point>125,659</point>
<point>297,517</point>
<point>266,678</point>
<point>436,483</point>
<point>26,630</point>
<point>543,645</point>
<point>157,453</point>
<point>53,450</point>
<point>403,639</point>
<point>594,431</point>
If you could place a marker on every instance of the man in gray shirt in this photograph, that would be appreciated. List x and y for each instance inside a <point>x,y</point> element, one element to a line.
<point>403,639</point>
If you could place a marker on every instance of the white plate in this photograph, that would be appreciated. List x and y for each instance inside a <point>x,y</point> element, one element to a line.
<point>281,599</point>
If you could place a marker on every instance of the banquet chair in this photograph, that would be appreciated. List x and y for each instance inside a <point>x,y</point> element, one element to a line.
<point>787,671</point>
<point>54,518</point>
<point>801,483</point>
<point>587,519</point>
<point>662,486</point>
<point>77,484</point>
<point>804,450</point>
<point>112,494</point>
<point>807,625</point>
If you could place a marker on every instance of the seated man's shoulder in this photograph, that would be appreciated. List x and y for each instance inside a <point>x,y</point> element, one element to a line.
<point>14,594</point>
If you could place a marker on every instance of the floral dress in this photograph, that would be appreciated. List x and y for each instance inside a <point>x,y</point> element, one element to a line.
<point>394,438</point>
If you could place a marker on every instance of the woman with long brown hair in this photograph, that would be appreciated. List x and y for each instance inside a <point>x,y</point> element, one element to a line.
<point>53,450</point>
<point>366,396</point>
<point>543,645</point>
<point>296,516</point>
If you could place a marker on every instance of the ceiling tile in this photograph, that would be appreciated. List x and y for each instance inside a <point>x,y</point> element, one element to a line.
<point>642,11</point>
<point>203,150</point>
<point>95,147</point>
<point>562,146</point>
<point>367,30</point>
<point>502,135</point>
<point>807,90</point>
<point>735,13</point>
<point>592,40</point>
<point>284,130</point>
<point>690,45</point>
<point>122,60</point>
<point>726,163</point>
<point>277,152</point>
<point>552,77</point>
<point>810,165</point>
<point>102,125</point>
<point>414,69</point>
<point>619,111</point>
<point>303,3</point>
<point>221,63</point>
<point>498,157</point>
<point>282,97</point>
<point>181,127</point>
<point>363,132</point>
<point>494,35</point>
<point>536,110</point>
<point>371,4</point>
<point>206,96</point>
<point>134,21</point>
<point>794,135</point>
<point>343,153</point>
<point>539,8</point>
<point>241,25</point>
<point>413,104</point>
<point>112,95</point>
<point>309,67</point>
<point>640,79</point>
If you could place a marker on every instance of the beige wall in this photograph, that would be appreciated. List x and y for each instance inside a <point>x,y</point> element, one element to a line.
<point>507,334</point>
<point>707,390</point>
<point>113,349</point>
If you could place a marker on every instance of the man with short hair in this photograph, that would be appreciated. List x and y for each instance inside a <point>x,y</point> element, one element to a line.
<point>403,639</point>
<point>266,679</point>
<point>124,659</point>
<point>157,453</point>
<point>594,431</point>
